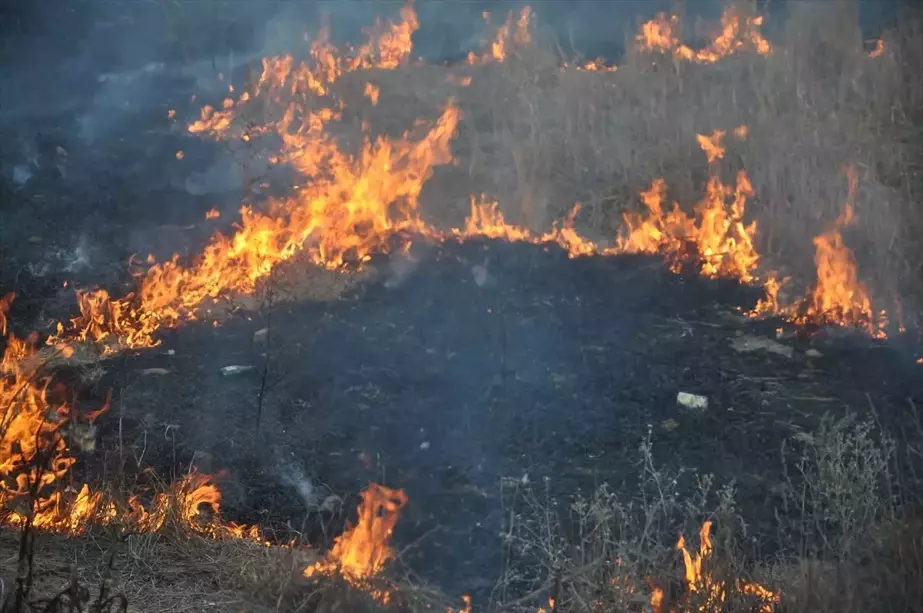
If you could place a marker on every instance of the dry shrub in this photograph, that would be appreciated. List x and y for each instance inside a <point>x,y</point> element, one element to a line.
<point>851,537</point>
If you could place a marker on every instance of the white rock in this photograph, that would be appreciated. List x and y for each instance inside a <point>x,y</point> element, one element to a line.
<point>747,343</point>
<point>692,401</point>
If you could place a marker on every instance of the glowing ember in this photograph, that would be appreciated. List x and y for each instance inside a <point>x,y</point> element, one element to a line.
<point>738,33</point>
<point>362,550</point>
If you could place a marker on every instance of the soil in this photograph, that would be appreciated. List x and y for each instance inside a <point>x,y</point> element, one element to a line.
<point>552,371</point>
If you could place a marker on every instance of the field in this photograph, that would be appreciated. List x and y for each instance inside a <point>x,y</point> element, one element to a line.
<point>624,334</point>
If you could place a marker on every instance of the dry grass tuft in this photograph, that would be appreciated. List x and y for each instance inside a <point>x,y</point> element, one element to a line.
<point>845,543</point>
<point>538,139</point>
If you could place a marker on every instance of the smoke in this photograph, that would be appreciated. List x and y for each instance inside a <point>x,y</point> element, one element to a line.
<point>314,497</point>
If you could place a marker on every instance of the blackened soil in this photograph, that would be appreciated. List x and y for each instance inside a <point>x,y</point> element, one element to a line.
<point>554,370</point>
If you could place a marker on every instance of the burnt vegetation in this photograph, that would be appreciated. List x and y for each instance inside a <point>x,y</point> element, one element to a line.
<point>696,390</point>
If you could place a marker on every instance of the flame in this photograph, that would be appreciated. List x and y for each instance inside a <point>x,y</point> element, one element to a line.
<point>716,236</point>
<point>346,208</point>
<point>362,551</point>
<point>706,593</point>
<point>391,43</point>
<point>739,32</point>
<point>711,145</point>
<point>388,46</point>
<point>597,65</point>
<point>879,49</point>
<point>5,302</point>
<point>486,221</point>
<point>510,35</point>
<point>212,213</point>
<point>838,296</point>
<point>33,452</point>
<point>372,92</point>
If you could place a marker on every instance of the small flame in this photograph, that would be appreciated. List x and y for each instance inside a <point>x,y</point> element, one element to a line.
<point>486,221</point>
<point>372,92</point>
<point>5,302</point>
<point>711,145</point>
<point>707,593</point>
<point>839,297</point>
<point>510,35</point>
<point>597,65</point>
<point>362,551</point>
<point>212,213</point>
<point>879,49</point>
<point>738,33</point>
<point>717,236</point>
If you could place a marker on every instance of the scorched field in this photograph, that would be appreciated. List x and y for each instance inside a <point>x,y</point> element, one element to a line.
<point>339,328</point>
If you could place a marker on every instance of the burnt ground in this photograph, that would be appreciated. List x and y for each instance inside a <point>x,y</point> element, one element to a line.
<point>555,368</point>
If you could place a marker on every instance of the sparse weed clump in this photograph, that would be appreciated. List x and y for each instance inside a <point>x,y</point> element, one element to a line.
<point>847,540</point>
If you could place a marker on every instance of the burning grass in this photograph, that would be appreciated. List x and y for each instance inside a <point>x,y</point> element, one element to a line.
<point>347,206</point>
<point>611,550</point>
<point>565,135</point>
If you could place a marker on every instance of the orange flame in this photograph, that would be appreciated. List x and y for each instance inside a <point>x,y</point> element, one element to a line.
<point>486,221</point>
<point>597,65</point>
<point>33,450</point>
<point>510,35</point>
<point>344,215</point>
<point>5,302</point>
<point>705,592</point>
<point>839,297</point>
<point>346,207</point>
<point>363,550</point>
<point>372,92</point>
<point>879,49</point>
<point>716,236</point>
<point>739,32</point>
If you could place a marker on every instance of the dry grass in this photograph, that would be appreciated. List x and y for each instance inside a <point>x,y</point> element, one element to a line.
<point>847,540</point>
<point>850,539</point>
<point>176,570</point>
<point>539,139</point>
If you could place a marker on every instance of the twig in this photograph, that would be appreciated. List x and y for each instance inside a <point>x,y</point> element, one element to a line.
<point>264,377</point>
<point>549,583</point>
